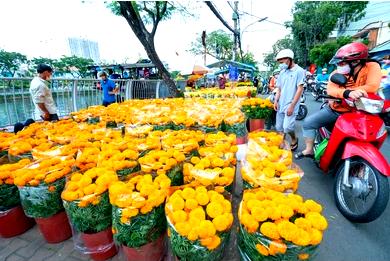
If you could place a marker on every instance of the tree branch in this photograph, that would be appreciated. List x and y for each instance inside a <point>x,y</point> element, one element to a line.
<point>150,12</point>
<point>218,15</point>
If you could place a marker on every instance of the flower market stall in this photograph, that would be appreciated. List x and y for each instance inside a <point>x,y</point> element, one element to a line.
<point>137,176</point>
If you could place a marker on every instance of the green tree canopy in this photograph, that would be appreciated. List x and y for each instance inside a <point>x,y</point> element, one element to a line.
<point>10,62</point>
<point>313,21</point>
<point>218,45</point>
<point>321,54</point>
<point>285,43</point>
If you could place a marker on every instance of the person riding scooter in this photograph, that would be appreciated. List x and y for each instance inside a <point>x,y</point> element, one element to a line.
<point>363,76</point>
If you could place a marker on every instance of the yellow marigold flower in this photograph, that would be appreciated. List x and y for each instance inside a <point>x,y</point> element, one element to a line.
<point>188,193</point>
<point>249,222</point>
<point>260,195</point>
<point>229,219</point>
<point>220,223</point>
<point>287,230</point>
<point>315,236</point>
<point>124,220</point>
<point>313,206</point>
<point>191,204</point>
<point>253,203</point>
<point>262,250</point>
<point>274,213</point>
<point>206,229</point>
<point>216,197</point>
<point>198,214</point>
<point>303,256</point>
<point>270,230</point>
<point>227,206</point>
<point>146,209</point>
<point>179,216</point>
<point>202,198</point>
<point>193,235</point>
<point>177,203</point>
<point>303,223</point>
<point>248,195</point>
<point>317,220</point>
<point>259,214</point>
<point>201,189</point>
<point>183,228</point>
<point>302,238</point>
<point>130,212</point>
<point>214,209</point>
<point>215,242</point>
<point>195,160</point>
<point>286,211</point>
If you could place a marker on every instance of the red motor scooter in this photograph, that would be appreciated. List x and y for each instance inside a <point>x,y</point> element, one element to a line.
<point>351,150</point>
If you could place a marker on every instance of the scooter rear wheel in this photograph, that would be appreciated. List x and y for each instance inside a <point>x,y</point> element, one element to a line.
<point>366,200</point>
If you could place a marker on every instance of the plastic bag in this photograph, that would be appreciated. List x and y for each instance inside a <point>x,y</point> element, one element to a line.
<point>275,226</point>
<point>185,141</point>
<point>9,194</point>
<point>138,209</point>
<point>42,201</point>
<point>268,164</point>
<point>199,223</point>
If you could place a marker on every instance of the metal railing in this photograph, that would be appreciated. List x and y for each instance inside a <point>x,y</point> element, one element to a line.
<point>71,95</point>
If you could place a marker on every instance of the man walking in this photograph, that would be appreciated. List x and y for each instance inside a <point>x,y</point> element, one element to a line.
<point>290,88</point>
<point>41,95</point>
<point>109,89</point>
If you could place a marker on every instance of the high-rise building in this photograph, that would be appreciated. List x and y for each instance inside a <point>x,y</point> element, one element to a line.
<point>84,48</point>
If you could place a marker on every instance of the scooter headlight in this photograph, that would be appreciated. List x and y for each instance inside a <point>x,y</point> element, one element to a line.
<point>382,131</point>
<point>368,105</point>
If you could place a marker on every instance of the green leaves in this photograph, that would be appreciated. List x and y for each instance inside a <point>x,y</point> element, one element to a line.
<point>9,196</point>
<point>188,250</point>
<point>257,112</point>
<point>10,62</point>
<point>92,218</point>
<point>321,54</point>
<point>238,128</point>
<point>142,229</point>
<point>42,201</point>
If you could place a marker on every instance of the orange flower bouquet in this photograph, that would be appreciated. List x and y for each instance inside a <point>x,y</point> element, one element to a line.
<point>9,194</point>
<point>275,226</point>
<point>6,139</point>
<point>40,185</point>
<point>138,209</point>
<point>87,205</point>
<point>199,223</point>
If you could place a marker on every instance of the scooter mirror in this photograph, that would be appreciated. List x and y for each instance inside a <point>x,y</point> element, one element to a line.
<point>339,79</point>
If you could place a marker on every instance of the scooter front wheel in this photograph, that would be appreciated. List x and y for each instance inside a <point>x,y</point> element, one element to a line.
<point>302,112</point>
<point>365,197</point>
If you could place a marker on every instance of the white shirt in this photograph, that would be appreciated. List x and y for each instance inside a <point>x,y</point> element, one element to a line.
<point>40,93</point>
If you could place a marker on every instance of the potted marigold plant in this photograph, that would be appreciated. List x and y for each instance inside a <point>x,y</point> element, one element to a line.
<point>199,223</point>
<point>235,122</point>
<point>257,110</point>
<point>138,216</point>
<point>13,221</point>
<point>276,226</point>
<point>164,162</point>
<point>87,205</point>
<point>40,185</point>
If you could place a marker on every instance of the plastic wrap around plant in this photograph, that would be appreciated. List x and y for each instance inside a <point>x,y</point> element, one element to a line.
<point>164,162</point>
<point>199,223</point>
<point>9,194</point>
<point>43,200</point>
<point>138,209</point>
<point>275,226</point>
<point>267,164</point>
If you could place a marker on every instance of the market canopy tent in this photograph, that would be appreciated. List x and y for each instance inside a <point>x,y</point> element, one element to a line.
<point>223,67</point>
<point>380,50</point>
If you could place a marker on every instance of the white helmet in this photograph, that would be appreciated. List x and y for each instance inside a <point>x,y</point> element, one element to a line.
<point>285,53</point>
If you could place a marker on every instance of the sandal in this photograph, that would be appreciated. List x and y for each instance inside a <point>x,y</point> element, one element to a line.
<point>294,146</point>
<point>300,155</point>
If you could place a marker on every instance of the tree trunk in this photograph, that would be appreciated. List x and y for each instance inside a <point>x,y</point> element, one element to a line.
<point>147,40</point>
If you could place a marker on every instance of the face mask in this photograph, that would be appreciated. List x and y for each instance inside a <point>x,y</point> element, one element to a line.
<point>344,69</point>
<point>283,66</point>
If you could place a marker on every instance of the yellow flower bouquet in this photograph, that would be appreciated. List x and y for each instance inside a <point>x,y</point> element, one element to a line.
<point>276,226</point>
<point>168,162</point>
<point>138,209</point>
<point>199,223</point>
<point>269,166</point>
<point>9,194</point>
<point>40,185</point>
<point>257,108</point>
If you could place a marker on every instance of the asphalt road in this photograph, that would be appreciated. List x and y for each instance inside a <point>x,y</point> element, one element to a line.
<point>343,240</point>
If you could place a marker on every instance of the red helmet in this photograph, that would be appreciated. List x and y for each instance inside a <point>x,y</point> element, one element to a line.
<point>350,52</point>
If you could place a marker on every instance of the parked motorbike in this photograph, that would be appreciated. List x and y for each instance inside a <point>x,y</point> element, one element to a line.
<point>351,150</point>
<point>302,111</point>
<point>309,84</point>
<point>319,90</point>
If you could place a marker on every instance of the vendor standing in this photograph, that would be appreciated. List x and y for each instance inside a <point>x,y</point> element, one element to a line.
<point>41,95</point>
<point>109,89</point>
